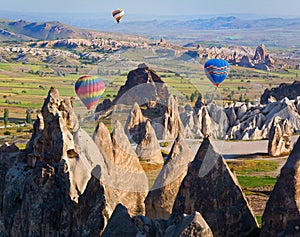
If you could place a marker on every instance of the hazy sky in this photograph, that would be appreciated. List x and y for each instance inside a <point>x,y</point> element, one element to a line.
<point>159,7</point>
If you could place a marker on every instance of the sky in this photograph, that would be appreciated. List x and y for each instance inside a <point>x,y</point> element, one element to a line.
<point>158,7</point>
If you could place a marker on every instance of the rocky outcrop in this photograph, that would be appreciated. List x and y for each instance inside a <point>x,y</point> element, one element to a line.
<point>48,188</point>
<point>127,182</point>
<point>169,125</point>
<point>192,225</point>
<point>240,121</point>
<point>148,149</point>
<point>160,199</point>
<point>279,137</point>
<point>144,87</point>
<point>199,102</point>
<point>282,212</point>
<point>120,224</point>
<point>291,91</point>
<point>135,124</point>
<point>260,53</point>
<point>212,190</point>
<point>255,121</point>
<point>261,59</point>
<point>246,61</point>
<point>207,120</point>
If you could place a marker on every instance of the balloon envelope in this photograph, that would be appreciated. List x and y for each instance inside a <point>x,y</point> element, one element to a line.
<point>118,14</point>
<point>216,70</point>
<point>89,89</point>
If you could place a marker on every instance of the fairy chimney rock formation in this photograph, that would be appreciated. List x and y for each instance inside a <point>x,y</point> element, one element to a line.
<point>169,125</point>
<point>103,141</point>
<point>127,182</point>
<point>143,86</point>
<point>160,199</point>
<point>199,102</point>
<point>260,53</point>
<point>279,137</point>
<point>148,149</point>
<point>135,124</point>
<point>192,225</point>
<point>212,190</point>
<point>282,212</point>
<point>44,188</point>
<point>120,224</point>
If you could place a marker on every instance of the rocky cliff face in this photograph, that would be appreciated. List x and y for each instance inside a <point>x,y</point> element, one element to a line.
<point>241,121</point>
<point>160,199</point>
<point>192,225</point>
<point>169,125</point>
<point>135,124</point>
<point>280,137</point>
<point>291,91</point>
<point>48,188</point>
<point>144,87</point>
<point>148,149</point>
<point>261,59</point>
<point>282,213</point>
<point>126,182</point>
<point>211,189</point>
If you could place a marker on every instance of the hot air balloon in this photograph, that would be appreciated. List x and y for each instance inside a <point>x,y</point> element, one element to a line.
<point>216,70</point>
<point>89,89</point>
<point>118,14</point>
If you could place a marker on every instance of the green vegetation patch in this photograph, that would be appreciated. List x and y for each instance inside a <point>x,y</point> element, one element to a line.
<point>256,181</point>
<point>245,167</point>
<point>259,220</point>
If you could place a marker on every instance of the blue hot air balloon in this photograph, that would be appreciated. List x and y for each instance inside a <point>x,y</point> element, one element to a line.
<point>216,70</point>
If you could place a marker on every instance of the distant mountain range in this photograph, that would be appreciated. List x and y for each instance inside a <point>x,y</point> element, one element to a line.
<point>24,30</point>
<point>219,23</point>
<point>230,30</point>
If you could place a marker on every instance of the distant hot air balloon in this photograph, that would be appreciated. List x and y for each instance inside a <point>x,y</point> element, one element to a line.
<point>89,89</point>
<point>118,14</point>
<point>216,70</point>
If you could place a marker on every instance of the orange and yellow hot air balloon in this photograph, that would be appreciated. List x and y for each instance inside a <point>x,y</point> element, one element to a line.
<point>118,14</point>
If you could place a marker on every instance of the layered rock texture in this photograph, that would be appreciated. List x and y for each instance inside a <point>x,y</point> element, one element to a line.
<point>127,182</point>
<point>261,59</point>
<point>48,188</point>
<point>280,137</point>
<point>169,125</point>
<point>142,86</point>
<point>212,190</point>
<point>148,149</point>
<point>120,224</point>
<point>192,225</point>
<point>135,124</point>
<point>282,213</point>
<point>241,121</point>
<point>291,91</point>
<point>160,199</point>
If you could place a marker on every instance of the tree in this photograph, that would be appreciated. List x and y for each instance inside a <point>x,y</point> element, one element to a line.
<point>192,97</point>
<point>5,117</point>
<point>28,116</point>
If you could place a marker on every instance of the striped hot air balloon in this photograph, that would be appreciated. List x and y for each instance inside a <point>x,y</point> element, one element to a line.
<point>89,89</point>
<point>216,70</point>
<point>118,14</point>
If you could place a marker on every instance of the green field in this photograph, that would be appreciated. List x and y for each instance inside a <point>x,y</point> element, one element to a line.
<point>24,86</point>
